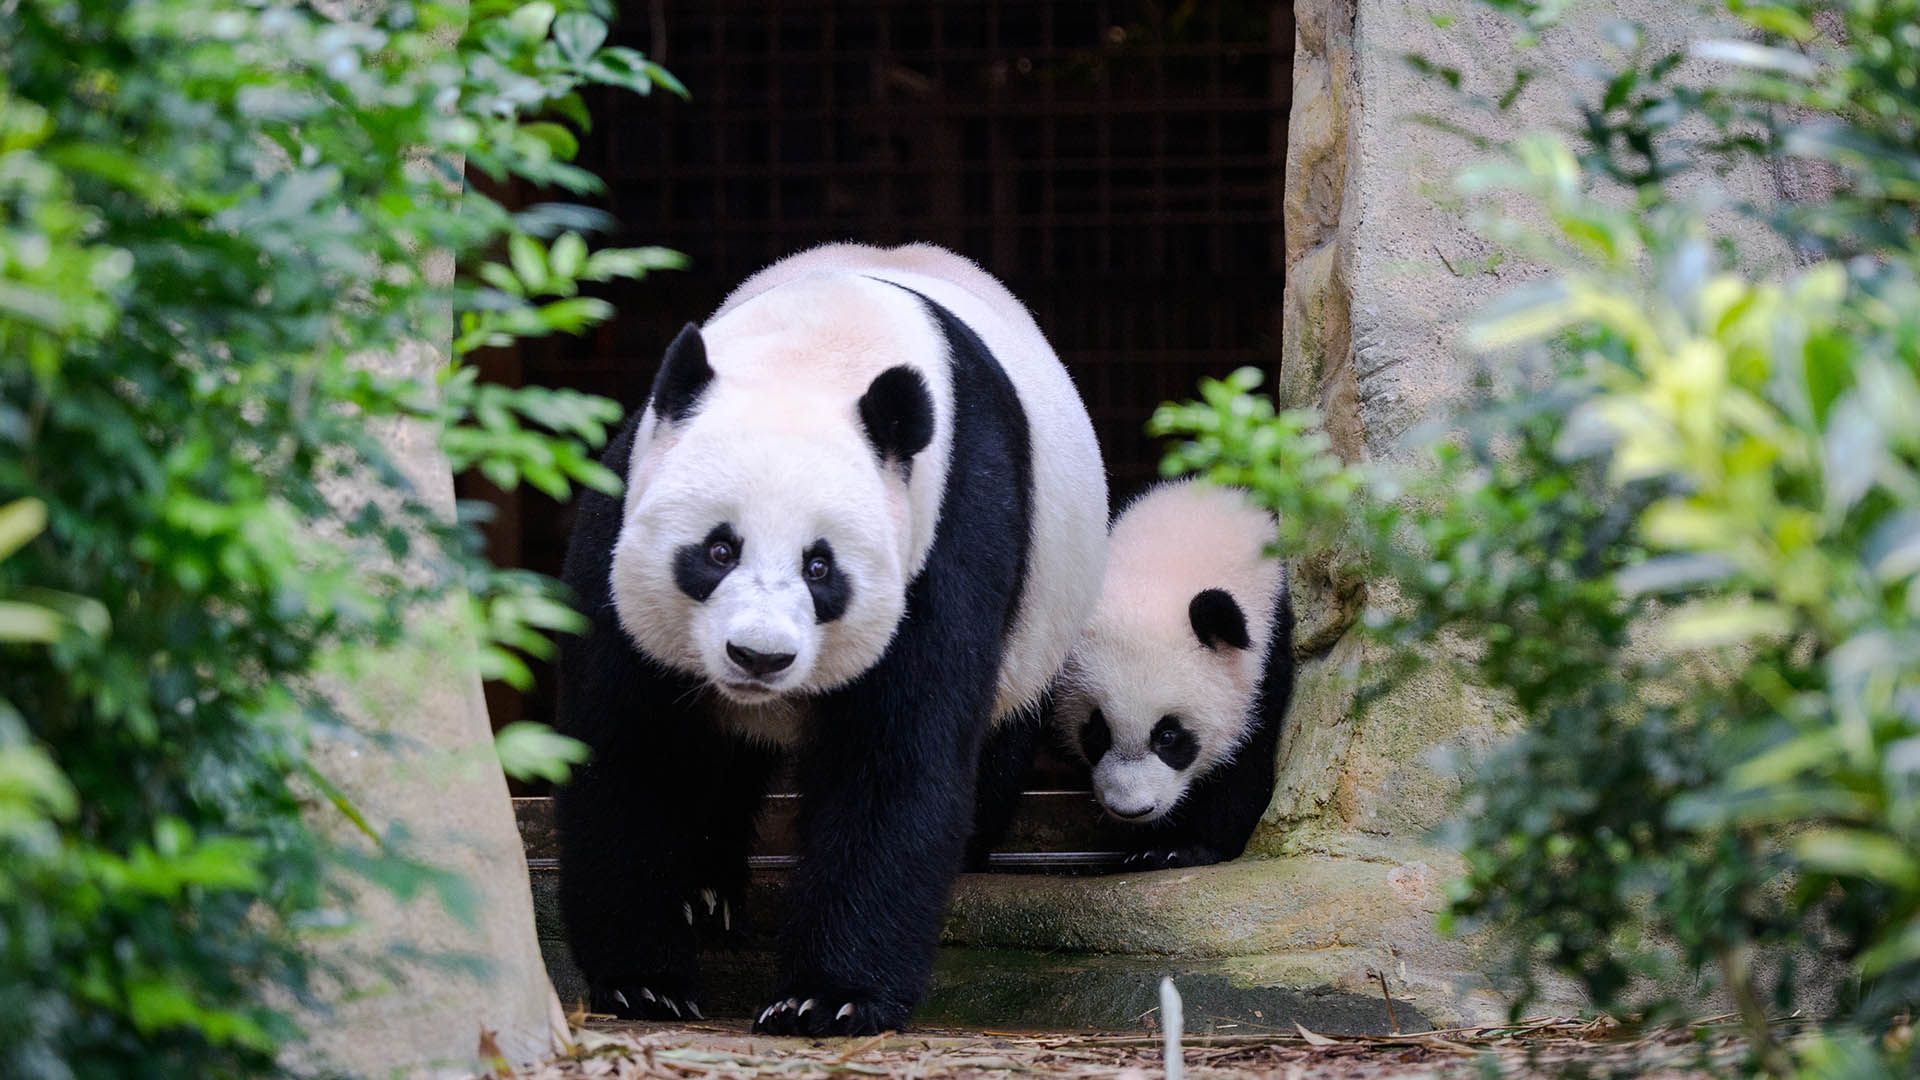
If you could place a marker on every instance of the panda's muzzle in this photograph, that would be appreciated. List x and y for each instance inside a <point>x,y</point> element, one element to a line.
<point>760,665</point>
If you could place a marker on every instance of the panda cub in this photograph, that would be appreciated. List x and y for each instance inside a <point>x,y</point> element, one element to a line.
<point>864,517</point>
<point>1175,691</point>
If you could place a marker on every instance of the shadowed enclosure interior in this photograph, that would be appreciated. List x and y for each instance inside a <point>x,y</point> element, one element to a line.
<point>1119,165</point>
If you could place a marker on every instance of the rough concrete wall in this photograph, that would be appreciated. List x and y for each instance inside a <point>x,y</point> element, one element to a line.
<point>1382,270</point>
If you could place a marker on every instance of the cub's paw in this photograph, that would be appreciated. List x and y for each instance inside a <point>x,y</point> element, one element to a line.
<point>828,1012</point>
<point>712,910</point>
<point>663,997</point>
<point>1168,858</point>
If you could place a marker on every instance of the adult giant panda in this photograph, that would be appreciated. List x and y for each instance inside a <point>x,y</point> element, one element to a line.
<point>1176,689</point>
<point>864,518</point>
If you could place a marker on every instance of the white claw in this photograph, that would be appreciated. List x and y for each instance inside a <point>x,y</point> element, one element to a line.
<point>695,1010</point>
<point>622,999</point>
<point>712,898</point>
<point>764,1013</point>
<point>1171,854</point>
<point>668,1002</point>
<point>788,1005</point>
<point>804,1006</point>
<point>726,915</point>
<point>687,910</point>
<point>845,1011</point>
<point>648,994</point>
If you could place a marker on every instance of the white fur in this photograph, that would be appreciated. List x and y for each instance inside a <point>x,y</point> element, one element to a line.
<point>1137,658</point>
<point>776,448</point>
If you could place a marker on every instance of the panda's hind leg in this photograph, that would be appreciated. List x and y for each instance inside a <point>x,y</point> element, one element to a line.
<point>1004,763</point>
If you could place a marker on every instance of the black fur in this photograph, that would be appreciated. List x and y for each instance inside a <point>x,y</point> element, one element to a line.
<point>1004,763</point>
<point>1217,620</point>
<point>897,412</point>
<point>694,569</point>
<point>888,774</point>
<point>1212,823</point>
<point>683,375</point>
<point>1096,738</point>
<point>832,594</point>
<point>888,770</point>
<point>1173,743</point>
<point>629,877</point>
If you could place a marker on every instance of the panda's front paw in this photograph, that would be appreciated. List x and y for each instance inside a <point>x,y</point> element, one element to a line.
<point>713,910</point>
<point>1168,858</point>
<point>825,1012</point>
<point>663,997</point>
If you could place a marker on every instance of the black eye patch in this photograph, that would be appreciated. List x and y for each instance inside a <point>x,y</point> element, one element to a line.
<point>1096,738</point>
<point>832,592</point>
<point>694,569</point>
<point>1173,743</point>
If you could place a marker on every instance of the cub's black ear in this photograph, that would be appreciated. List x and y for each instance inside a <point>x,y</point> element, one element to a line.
<point>897,411</point>
<point>683,375</point>
<point>1217,620</point>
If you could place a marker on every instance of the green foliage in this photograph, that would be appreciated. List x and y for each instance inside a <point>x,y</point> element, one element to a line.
<point>219,224</point>
<point>1683,534</point>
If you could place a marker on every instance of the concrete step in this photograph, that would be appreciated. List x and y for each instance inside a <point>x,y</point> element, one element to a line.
<point>1318,938</point>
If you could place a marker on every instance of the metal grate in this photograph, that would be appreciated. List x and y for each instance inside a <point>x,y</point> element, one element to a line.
<point>1118,164</point>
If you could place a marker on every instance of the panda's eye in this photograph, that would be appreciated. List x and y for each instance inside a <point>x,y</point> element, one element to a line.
<point>818,568</point>
<point>721,553</point>
<point>1168,734</point>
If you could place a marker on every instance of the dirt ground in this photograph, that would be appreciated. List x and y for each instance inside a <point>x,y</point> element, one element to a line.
<point>1547,1047</point>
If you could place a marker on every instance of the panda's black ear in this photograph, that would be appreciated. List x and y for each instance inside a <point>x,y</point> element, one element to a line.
<point>683,375</point>
<point>897,411</point>
<point>1217,620</point>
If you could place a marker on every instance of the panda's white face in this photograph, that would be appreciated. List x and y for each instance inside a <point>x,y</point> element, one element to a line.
<point>1152,712</point>
<point>768,567</point>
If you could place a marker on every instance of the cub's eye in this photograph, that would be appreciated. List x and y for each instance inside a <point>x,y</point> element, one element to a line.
<point>818,568</point>
<point>1166,736</point>
<point>721,553</point>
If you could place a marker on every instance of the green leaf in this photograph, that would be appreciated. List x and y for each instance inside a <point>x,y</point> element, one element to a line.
<point>531,21</point>
<point>579,35</point>
<point>29,622</point>
<point>529,262</point>
<point>1729,622</point>
<point>1860,853</point>
<point>20,521</point>
<point>1759,57</point>
<point>557,138</point>
<point>531,751</point>
<point>568,256</point>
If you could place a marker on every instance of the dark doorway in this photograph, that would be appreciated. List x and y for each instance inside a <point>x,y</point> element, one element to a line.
<point>1118,164</point>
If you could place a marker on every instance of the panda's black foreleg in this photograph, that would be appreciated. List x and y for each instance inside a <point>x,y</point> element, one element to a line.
<point>631,824</point>
<point>1004,763</point>
<point>887,789</point>
<point>726,825</point>
<point>626,837</point>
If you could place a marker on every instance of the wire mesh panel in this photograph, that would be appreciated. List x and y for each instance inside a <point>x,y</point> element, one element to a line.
<point>1117,164</point>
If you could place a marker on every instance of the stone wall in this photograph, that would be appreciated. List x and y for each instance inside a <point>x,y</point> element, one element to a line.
<point>420,981</point>
<point>1383,268</point>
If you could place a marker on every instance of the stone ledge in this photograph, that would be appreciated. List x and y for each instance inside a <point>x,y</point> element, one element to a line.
<point>1259,941</point>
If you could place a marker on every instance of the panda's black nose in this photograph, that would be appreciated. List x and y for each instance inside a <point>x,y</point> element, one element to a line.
<point>759,664</point>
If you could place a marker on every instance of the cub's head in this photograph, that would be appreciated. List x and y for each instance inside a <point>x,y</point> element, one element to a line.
<point>762,547</point>
<point>1154,704</point>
